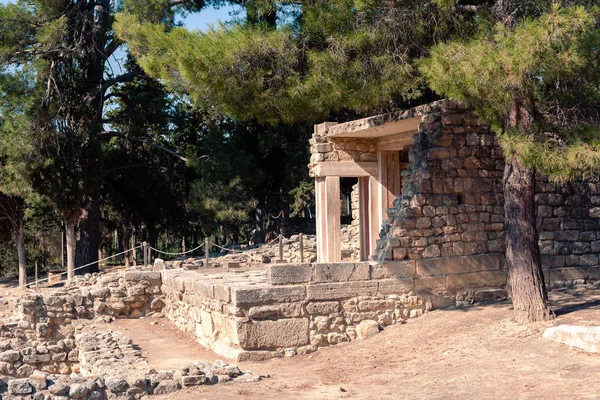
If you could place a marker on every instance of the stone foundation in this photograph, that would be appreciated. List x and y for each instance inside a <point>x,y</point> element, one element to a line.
<point>296,308</point>
<point>48,351</point>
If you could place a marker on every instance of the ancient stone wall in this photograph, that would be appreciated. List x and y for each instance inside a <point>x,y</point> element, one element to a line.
<point>568,223</point>
<point>297,308</point>
<point>351,233</point>
<point>339,149</point>
<point>451,203</point>
<point>47,351</point>
<point>128,295</point>
<point>452,207</point>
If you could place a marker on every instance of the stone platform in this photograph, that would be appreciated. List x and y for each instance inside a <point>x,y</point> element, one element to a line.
<point>290,309</point>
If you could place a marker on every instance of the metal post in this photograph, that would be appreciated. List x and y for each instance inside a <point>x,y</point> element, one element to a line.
<point>207,250</point>
<point>281,248</point>
<point>301,244</point>
<point>145,244</point>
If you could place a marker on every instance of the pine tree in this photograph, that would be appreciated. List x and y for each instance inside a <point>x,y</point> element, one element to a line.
<point>64,46</point>
<point>535,79</point>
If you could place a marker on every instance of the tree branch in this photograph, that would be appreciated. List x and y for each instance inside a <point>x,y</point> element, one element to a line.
<point>111,95</point>
<point>127,77</point>
<point>112,46</point>
<point>111,134</point>
<point>468,8</point>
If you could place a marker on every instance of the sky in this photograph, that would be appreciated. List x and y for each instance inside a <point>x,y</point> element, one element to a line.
<point>209,16</point>
<point>201,20</point>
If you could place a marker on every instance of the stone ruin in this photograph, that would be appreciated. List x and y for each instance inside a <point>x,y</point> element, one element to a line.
<point>431,196</point>
<point>49,348</point>
<point>427,232</point>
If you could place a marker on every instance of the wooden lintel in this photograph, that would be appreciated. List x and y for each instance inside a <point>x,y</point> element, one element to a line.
<point>396,142</point>
<point>346,169</point>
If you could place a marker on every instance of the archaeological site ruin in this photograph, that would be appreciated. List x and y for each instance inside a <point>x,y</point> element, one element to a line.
<point>427,231</point>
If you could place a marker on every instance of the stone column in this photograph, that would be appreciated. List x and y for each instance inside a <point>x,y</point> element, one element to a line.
<point>328,213</point>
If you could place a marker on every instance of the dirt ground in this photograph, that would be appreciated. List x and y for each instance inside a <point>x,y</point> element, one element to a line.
<point>472,352</point>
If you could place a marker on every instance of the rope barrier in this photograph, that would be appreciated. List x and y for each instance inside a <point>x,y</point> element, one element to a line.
<point>278,216</point>
<point>78,268</point>
<point>176,254</point>
<point>152,248</point>
<point>226,249</point>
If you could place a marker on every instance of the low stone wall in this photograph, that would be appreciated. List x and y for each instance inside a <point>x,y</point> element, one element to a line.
<point>20,358</point>
<point>297,308</point>
<point>118,375</point>
<point>128,295</point>
<point>46,344</point>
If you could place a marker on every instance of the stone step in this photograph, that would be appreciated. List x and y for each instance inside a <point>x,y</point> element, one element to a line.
<point>586,338</point>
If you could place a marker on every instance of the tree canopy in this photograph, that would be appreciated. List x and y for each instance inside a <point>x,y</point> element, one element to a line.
<point>551,62</point>
<point>336,55</point>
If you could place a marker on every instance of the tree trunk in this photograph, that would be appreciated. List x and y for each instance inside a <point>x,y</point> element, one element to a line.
<point>235,235</point>
<point>259,214</point>
<point>70,233</point>
<point>124,239</point>
<point>89,237</point>
<point>21,253</point>
<point>529,297</point>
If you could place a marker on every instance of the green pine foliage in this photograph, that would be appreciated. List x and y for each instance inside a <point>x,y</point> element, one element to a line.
<point>551,63</point>
<point>338,55</point>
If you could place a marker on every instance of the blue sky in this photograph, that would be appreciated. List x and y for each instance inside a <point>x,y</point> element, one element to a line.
<point>208,16</point>
<point>201,20</point>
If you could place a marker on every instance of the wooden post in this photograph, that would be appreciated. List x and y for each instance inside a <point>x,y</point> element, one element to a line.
<point>62,246</point>
<point>207,250</point>
<point>70,228</point>
<point>144,249</point>
<point>329,243</point>
<point>301,244</point>
<point>134,251</point>
<point>280,248</point>
<point>376,214</point>
<point>149,255</point>
<point>364,218</point>
<point>36,275</point>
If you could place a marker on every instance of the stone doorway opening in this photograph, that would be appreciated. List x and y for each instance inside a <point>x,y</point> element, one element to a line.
<point>373,152</point>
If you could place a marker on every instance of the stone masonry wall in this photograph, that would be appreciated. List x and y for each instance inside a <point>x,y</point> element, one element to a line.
<point>49,351</point>
<point>297,308</point>
<point>568,223</point>
<point>451,207</point>
<point>451,203</point>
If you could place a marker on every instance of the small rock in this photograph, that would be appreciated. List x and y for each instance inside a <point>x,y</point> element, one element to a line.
<point>193,380</point>
<point>166,387</point>
<point>248,377</point>
<point>59,389</point>
<point>116,385</point>
<point>19,386</point>
<point>159,265</point>
<point>10,356</point>
<point>366,329</point>
<point>78,390</point>
<point>289,352</point>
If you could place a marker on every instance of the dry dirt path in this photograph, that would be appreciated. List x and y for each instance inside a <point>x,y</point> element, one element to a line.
<point>476,352</point>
